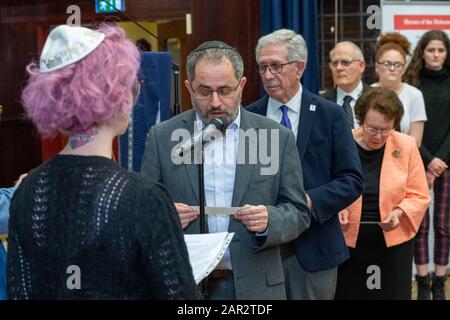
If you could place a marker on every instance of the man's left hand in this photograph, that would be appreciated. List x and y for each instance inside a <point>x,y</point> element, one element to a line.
<point>255,218</point>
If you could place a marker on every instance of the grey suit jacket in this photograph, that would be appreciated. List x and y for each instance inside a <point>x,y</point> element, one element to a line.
<point>257,265</point>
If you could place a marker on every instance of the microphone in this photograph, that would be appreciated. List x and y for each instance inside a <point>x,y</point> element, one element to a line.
<point>212,130</point>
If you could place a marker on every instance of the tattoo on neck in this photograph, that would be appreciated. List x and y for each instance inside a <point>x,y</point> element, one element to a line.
<point>78,140</point>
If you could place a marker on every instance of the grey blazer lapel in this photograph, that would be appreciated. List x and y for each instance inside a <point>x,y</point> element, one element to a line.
<point>243,171</point>
<point>192,170</point>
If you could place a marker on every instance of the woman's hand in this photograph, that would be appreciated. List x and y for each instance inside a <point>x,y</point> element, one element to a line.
<point>430,179</point>
<point>437,166</point>
<point>393,220</point>
<point>19,181</point>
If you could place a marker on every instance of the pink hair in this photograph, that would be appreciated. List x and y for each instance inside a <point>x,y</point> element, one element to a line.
<point>93,91</point>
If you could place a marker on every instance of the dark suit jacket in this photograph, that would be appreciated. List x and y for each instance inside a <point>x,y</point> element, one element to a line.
<point>332,93</point>
<point>332,178</point>
<point>258,268</point>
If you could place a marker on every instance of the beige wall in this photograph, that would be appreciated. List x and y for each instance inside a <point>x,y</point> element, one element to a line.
<point>134,32</point>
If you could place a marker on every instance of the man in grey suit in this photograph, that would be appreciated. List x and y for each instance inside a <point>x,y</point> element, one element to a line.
<point>269,190</point>
<point>347,66</point>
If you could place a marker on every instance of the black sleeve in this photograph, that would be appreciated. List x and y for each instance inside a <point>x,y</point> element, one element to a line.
<point>19,274</point>
<point>444,151</point>
<point>165,259</point>
<point>425,155</point>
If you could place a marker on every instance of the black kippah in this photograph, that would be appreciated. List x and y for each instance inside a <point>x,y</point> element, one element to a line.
<point>213,45</point>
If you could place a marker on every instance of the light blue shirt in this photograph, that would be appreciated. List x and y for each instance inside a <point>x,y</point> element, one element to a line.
<point>274,112</point>
<point>6,195</point>
<point>219,173</point>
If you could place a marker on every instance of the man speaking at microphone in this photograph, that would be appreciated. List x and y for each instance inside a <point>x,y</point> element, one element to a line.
<point>273,209</point>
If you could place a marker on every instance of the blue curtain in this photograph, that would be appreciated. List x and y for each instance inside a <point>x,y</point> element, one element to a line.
<point>300,16</point>
<point>2,272</point>
<point>155,75</point>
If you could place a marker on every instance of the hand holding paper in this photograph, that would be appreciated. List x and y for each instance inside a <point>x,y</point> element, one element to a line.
<point>255,218</point>
<point>186,214</point>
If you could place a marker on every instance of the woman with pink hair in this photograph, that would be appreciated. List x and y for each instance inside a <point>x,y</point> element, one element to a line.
<point>80,226</point>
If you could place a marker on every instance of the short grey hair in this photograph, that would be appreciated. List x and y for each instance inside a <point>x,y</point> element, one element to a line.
<point>358,53</point>
<point>214,54</point>
<point>296,45</point>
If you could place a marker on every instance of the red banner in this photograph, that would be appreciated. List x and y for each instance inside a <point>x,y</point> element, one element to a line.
<point>421,22</point>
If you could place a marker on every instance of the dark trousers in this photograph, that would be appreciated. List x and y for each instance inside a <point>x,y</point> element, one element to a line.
<point>371,258</point>
<point>221,289</point>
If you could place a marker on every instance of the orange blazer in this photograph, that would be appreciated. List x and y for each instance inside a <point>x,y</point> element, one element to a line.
<point>402,184</point>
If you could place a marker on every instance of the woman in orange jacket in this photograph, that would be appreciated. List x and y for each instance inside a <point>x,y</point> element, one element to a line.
<point>380,226</point>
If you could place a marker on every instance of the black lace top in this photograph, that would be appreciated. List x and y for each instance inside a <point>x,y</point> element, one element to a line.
<point>83,228</point>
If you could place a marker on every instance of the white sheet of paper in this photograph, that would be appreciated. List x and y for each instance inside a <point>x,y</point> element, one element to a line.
<point>218,210</point>
<point>206,251</point>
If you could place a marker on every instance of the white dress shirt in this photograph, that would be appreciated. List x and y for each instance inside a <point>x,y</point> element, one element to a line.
<point>274,112</point>
<point>219,173</point>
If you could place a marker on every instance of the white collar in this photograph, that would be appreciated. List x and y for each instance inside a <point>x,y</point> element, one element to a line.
<point>354,94</point>
<point>294,104</point>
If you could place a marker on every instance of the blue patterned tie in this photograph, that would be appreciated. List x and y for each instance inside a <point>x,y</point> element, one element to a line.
<point>285,119</point>
<point>348,110</point>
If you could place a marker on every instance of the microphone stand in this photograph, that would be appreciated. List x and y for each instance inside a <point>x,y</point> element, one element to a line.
<point>201,186</point>
<point>176,102</point>
<point>202,205</point>
<point>219,124</point>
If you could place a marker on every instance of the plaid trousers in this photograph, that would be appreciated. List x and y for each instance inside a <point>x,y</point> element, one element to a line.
<point>441,223</point>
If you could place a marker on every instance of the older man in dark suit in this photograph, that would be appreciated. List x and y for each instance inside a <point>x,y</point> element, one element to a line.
<point>347,65</point>
<point>330,163</point>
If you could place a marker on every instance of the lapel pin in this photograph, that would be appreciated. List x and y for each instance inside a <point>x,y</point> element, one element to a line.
<point>312,107</point>
<point>396,154</point>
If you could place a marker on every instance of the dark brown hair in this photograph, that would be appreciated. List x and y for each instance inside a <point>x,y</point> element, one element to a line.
<point>412,72</point>
<point>382,100</point>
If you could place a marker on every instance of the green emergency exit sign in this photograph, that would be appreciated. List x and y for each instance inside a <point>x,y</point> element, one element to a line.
<point>109,6</point>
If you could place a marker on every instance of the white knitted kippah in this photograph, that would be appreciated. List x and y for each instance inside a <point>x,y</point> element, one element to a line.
<point>66,45</point>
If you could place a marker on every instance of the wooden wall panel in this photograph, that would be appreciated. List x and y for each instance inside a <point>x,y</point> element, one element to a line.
<point>235,22</point>
<point>19,146</point>
<point>23,26</point>
<point>54,12</point>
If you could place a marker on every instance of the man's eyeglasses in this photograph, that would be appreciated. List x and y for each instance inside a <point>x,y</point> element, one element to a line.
<point>343,62</point>
<point>274,68</point>
<point>205,93</point>
<point>374,130</point>
<point>389,64</point>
